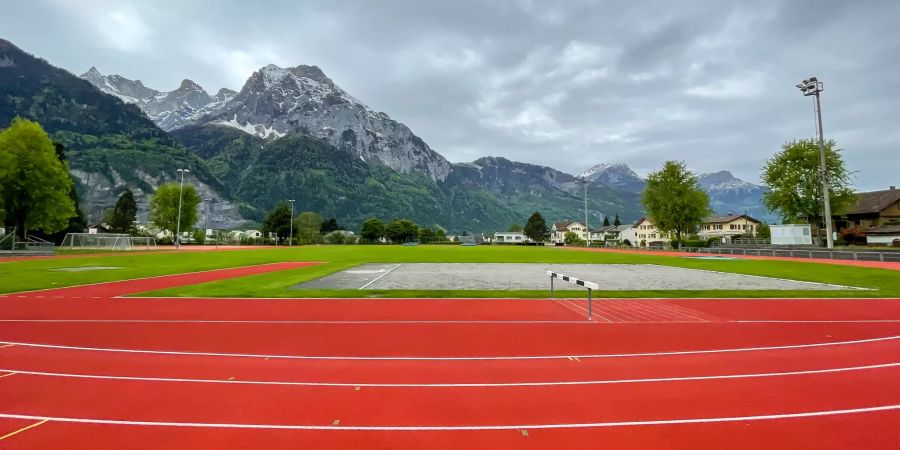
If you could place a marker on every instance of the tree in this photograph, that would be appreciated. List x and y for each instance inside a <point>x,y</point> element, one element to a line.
<point>401,230</point>
<point>426,235</point>
<point>330,225</point>
<point>307,228</point>
<point>572,238</point>
<point>440,235</point>
<point>616,221</point>
<point>124,213</point>
<point>675,201</point>
<point>278,221</point>
<point>536,228</point>
<point>164,207</point>
<point>335,237</point>
<point>515,228</point>
<point>605,221</point>
<point>795,189</point>
<point>372,230</point>
<point>763,231</point>
<point>199,236</point>
<point>35,187</point>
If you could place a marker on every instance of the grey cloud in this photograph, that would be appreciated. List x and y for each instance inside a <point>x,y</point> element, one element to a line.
<point>560,83</point>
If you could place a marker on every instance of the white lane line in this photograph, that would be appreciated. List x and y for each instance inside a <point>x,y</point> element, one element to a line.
<point>379,277</point>
<point>457,428</point>
<point>450,358</point>
<point>456,385</point>
<point>821,321</point>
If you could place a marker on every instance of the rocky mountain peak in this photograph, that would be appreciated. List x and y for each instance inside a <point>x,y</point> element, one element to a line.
<point>189,84</point>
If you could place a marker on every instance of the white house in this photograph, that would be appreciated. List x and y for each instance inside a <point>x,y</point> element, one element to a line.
<point>611,234</point>
<point>728,227</point>
<point>510,237</point>
<point>559,229</point>
<point>646,233</point>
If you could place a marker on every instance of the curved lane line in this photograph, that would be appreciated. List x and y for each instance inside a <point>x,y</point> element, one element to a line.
<point>457,428</point>
<point>449,358</point>
<point>456,385</point>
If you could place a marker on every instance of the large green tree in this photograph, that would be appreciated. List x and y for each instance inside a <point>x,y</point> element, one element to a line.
<point>372,230</point>
<point>35,187</point>
<point>124,213</point>
<point>536,228</point>
<point>401,230</point>
<point>675,201</point>
<point>278,221</point>
<point>795,188</point>
<point>307,228</point>
<point>164,207</point>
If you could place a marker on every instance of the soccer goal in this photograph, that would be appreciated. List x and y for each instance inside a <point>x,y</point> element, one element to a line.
<point>107,241</point>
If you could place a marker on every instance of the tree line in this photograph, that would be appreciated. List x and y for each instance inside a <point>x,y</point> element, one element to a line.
<point>37,195</point>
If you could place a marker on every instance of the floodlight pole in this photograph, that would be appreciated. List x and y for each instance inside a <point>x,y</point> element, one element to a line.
<point>291,238</point>
<point>587,230</point>
<point>178,223</point>
<point>813,87</point>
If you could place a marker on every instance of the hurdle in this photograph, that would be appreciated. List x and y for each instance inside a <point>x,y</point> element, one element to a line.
<point>589,285</point>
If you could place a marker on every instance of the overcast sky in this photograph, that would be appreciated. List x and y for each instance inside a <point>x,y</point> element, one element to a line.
<point>567,84</point>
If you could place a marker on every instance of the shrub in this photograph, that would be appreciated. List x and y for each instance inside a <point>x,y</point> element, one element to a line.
<point>852,236</point>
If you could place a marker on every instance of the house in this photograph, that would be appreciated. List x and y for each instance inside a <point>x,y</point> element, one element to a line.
<point>626,233</point>
<point>647,233</point>
<point>511,237</point>
<point>871,209</point>
<point>728,227</point>
<point>884,235</point>
<point>560,228</point>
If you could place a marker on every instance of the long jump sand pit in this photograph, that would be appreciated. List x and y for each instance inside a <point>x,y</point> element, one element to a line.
<point>515,276</point>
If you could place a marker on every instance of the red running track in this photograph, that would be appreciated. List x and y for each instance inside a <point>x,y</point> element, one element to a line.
<point>83,372</point>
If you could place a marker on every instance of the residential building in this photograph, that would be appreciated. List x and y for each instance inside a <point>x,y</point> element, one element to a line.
<point>728,227</point>
<point>883,235</point>
<point>647,233</point>
<point>559,229</point>
<point>871,209</point>
<point>510,237</point>
<point>611,234</point>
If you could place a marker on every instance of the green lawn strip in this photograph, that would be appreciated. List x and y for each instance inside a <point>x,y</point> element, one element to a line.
<point>277,284</point>
<point>35,274</point>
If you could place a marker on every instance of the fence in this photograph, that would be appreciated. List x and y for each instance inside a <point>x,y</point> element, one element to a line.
<point>848,255</point>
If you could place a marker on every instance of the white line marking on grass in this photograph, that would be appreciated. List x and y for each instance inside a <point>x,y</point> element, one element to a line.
<point>842,287</point>
<point>168,275</point>
<point>379,277</point>
<point>450,358</point>
<point>455,385</point>
<point>457,428</point>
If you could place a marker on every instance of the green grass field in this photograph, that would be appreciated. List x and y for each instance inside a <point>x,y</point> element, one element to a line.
<point>35,274</point>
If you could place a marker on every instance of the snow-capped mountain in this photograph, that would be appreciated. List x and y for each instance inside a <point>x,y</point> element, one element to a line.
<point>275,101</point>
<point>727,193</point>
<point>169,110</point>
<point>617,175</point>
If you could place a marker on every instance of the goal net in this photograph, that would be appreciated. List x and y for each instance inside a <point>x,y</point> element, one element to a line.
<point>107,241</point>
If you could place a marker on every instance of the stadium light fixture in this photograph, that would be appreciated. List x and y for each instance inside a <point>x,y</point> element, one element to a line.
<point>291,238</point>
<point>813,87</point>
<point>180,195</point>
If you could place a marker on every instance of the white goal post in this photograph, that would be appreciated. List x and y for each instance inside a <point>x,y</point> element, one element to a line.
<point>107,241</point>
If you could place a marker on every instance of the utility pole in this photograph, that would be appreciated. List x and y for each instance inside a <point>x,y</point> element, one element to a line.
<point>291,239</point>
<point>587,229</point>
<point>207,201</point>
<point>178,223</point>
<point>813,87</point>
